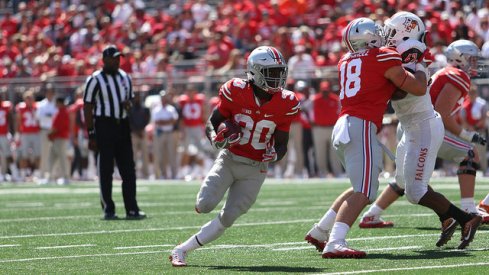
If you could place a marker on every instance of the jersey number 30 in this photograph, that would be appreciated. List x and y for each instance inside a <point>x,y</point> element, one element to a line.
<point>260,135</point>
<point>350,77</point>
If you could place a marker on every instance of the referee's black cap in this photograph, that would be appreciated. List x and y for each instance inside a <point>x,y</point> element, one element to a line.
<point>111,51</point>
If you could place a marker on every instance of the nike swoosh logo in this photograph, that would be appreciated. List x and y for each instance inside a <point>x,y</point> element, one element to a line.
<point>267,115</point>
<point>468,235</point>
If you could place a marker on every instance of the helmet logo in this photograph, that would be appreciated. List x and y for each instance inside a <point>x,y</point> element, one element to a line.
<point>275,55</point>
<point>410,24</point>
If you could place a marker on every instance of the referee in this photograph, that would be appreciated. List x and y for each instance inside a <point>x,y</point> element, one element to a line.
<point>107,99</point>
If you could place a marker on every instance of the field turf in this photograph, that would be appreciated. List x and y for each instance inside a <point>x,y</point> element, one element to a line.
<point>59,230</point>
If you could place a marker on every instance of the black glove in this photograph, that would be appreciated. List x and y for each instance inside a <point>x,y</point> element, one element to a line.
<point>477,138</point>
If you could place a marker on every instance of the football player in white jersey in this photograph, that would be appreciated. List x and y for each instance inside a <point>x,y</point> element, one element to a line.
<point>422,137</point>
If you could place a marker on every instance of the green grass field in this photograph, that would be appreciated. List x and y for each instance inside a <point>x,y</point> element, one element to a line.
<point>58,230</point>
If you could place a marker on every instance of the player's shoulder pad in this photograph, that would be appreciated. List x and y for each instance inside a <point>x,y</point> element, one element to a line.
<point>387,53</point>
<point>292,102</point>
<point>233,86</point>
<point>458,77</point>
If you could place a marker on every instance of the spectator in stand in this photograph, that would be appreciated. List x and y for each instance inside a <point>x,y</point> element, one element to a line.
<point>139,117</point>
<point>5,121</point>
<point>473,116</point>
<point>192,105</point>
<point>218,50</point>
<point>46,109</point>
<point>59,135</point>
<point>164,118</point>
<point>325,108</point>
<point>27,136</point>
<point>301,65</point>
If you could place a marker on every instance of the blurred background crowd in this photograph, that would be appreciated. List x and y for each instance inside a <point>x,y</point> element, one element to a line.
<point>188,49</point>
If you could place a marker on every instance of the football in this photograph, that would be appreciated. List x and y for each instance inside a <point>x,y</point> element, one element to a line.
<point>233,128</point>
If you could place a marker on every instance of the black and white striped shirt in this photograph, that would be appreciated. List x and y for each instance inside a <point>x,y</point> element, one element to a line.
<point>107,92</point>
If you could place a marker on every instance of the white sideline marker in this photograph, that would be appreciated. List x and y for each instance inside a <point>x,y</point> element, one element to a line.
<point>65,246</point>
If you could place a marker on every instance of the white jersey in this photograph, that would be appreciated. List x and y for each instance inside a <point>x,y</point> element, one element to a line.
<point>413,109</point>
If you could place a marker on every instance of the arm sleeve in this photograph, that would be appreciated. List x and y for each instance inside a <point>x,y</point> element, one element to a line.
<point>91,89</point>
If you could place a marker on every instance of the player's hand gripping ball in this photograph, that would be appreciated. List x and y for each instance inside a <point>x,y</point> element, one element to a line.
<point>228,134</point>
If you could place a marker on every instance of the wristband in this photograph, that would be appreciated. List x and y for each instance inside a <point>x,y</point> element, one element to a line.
<point>467,135</point>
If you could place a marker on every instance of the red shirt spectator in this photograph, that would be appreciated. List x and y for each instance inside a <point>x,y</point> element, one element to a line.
<point>8,25</point>
<point>61,123</point>
<point>325,106</point>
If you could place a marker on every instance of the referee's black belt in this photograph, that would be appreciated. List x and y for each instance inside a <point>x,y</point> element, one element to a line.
<point>111,119</point>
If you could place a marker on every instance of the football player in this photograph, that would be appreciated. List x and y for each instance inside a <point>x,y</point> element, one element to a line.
<point>369,74</point>
<point>449,87</point>
<point>5,121</point>
<point>27,134</point>
<point>423,133</point>
<point>264,110</point>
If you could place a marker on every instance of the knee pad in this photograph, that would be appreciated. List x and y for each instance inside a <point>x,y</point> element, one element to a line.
<point>471,166</point>
<point>204,206</point>
<point>397,188</point>
<point>415,193</point>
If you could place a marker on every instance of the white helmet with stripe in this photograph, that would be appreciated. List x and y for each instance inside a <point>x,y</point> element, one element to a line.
<point>403,26</point>
<point>267,69</point>
<point>463,54</point>
<point>362,33</point>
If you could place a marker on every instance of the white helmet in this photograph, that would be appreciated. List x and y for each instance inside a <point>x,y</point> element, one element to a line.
<point>403,26</point>
<point>463,54</point>
<point>362,33</point>
<point>267,69</point>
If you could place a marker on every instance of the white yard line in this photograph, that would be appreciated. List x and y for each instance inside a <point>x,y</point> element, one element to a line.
<point>65,246</point>
<point>9,245</point>
<point>143,246</point>
<point>307,246</point>
<point>196,227</point>
<point>78,256</point>
<point>407,268</point>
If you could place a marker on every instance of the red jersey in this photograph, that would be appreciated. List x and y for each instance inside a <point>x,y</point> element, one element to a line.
<point>365,90</point>
<point>5,108</point>
<point>61,124</point>
<point>325,110</point>
<point>258,123</point>
<point>28,120</point>
<point>454,76</point>
<point>76,109</point>
<point>192,109</point>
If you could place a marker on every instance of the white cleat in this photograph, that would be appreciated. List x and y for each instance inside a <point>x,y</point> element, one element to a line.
<point>317,237</point>
<point>341,250</point>
<point>177,257</point>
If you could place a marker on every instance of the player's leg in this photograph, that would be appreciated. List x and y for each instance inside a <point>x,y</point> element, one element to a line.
<point>460,151</point>
<point>395,189</point>
<point>363,163</point>
<point>319,233</point>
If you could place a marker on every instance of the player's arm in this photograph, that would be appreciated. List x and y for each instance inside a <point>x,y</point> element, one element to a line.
<point>215,119</point>
<point>281,140</point>
<point>412,83</point>
<point>444,105</point>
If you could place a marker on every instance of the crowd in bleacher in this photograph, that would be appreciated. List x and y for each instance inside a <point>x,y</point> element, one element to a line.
<point>65,38</point>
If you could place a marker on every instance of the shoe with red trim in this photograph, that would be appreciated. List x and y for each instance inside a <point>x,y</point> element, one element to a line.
<point>317,237</point>
<point>341,250</point>
<point>483,210</point>
<point>374,222</point>
<point>177,257</point>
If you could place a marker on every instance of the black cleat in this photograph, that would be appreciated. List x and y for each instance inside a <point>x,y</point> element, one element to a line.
<point>110,217</point>
<point>468,231</point>
<point>136,215</point>
<point>448,227</point>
